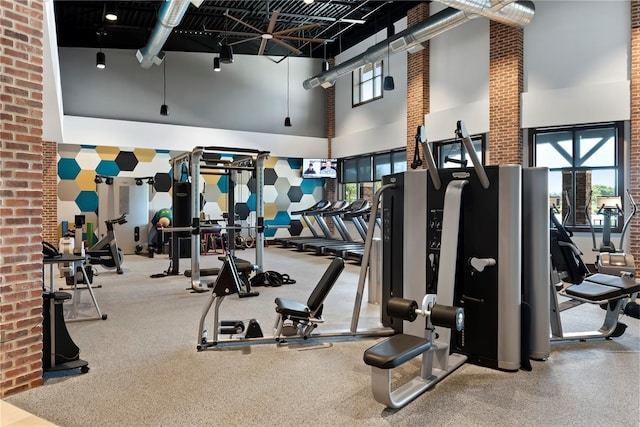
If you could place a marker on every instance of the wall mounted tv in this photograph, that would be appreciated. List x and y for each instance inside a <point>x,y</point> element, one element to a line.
<point>319,168</point>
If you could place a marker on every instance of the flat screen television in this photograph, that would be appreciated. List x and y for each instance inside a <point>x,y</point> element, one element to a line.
<point>319,168</point>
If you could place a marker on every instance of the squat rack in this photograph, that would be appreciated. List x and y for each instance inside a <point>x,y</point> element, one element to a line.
<point>214,161</point>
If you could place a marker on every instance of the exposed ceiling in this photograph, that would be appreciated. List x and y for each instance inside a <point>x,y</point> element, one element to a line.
<point>342,23</point>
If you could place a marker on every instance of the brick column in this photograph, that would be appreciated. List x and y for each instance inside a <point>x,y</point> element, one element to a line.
<point>330,184</point>
<point>50,192</point>
<point>634,139</point>
<point>506,83</point>
<point>20,196</point>
<point>417,82</point>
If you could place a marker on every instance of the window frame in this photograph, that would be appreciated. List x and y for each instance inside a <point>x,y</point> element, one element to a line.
<point>356,81</point>
<point>364,182</point>
<point>439,145</point>
<point>619,167</point>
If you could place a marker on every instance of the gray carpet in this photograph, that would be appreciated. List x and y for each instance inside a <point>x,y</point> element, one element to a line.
<point>145,370</point>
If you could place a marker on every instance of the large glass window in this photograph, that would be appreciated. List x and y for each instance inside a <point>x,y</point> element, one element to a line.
<point>584,162</point>
<point>362,175</point>
<point>448,153</point>
<point>367,83</point>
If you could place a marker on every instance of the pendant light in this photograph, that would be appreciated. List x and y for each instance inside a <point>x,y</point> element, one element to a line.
<point>388,83</point>
<point>287,120</point>
<point>226,52</point>
<point>101,58</point>
<point>216,64</point>
<point>164,108</point>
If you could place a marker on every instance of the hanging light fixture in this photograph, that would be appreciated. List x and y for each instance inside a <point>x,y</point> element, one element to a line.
<point>111,11</point>
<point>287,120</point>
<point>216,64</point>
<point>164,108</point>
<point>226,52</point>
<point>101,58</point>
<point>325,63</point>
<point>388,83</point>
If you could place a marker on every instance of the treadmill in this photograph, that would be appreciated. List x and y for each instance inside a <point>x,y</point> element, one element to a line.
<point>354,209</point>
<point>337,206</point>
<point>357,217</point>
<point>305,215</point>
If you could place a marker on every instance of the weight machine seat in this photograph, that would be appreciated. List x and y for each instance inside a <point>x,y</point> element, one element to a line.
<point>293,309</point>
<point>602,287</point>
<point>395,351</point>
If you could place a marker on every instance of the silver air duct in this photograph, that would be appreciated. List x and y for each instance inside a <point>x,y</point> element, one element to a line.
<point>507,11</point>
<point>169,17</point>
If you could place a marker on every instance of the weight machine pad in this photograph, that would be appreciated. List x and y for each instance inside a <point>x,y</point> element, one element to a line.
<point>292,308</point>
<point>395,351</point>
<point>628,285</point>
<point>593,291</point>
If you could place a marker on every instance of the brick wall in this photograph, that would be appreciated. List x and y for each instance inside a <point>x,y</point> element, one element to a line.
<point>21,195</point>
<point>417,82</point>
<point>330,192</point>
<point>50,192</point>
<point>506,83</point>
<point>634,229</point>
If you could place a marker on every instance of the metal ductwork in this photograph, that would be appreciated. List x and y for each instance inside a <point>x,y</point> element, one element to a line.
<point>169,17</point>
<point>509,12</point>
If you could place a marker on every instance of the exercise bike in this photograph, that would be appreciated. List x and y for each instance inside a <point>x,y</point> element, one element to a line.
<point>106,252</point>
<point>612,260</point>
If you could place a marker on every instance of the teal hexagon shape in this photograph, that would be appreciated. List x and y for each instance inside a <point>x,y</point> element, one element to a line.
<point>251,202</point>
<point>308,185</point>
<point>294,163</point>
<point>68,168</point>
<point>223,184</point>
<point>87,201</point>
<point>281,218</point>
<point>107,168</point>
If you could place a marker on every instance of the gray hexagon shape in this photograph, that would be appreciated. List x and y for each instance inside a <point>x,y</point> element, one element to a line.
<point>251,184</point>
<point>295,193</point>
<point>283,202</point>
<point>68,190</point>
<point>212,193</point>
<point>282,184</point>
<point>270,176</point>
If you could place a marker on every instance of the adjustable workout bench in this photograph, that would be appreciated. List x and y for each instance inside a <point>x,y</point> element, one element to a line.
<point>295,318</point>
<point>401,348</point>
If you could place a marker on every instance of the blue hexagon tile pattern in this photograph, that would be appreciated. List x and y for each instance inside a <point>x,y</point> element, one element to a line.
<point>284,191</point>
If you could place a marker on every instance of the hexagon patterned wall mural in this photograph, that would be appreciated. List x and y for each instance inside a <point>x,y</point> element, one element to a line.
<point>284,192</point>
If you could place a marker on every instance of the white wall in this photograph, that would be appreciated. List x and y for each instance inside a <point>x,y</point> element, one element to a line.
<point>576,62</point>
<point>376,126</point>
<point>51,89</point>
<point>124,133</point>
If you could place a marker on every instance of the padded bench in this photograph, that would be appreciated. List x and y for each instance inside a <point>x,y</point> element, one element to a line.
<point>603,287</point>
<point>395,351</point>
<point>389,354</point>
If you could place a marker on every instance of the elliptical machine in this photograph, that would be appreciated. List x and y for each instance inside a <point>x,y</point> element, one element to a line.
<point>609,259</point>
<point>106,252</point>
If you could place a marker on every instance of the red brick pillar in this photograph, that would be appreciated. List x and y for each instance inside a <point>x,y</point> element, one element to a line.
<point>330,184</point>
<point>506,84</point>
<point>20,196</point>
<point>50,192</point>
<point>417,82</point>
<point>634,139</point>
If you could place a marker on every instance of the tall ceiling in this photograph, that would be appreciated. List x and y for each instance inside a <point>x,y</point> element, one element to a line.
<point>342,24</point>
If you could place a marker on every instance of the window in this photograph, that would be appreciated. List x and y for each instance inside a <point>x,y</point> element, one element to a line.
<point>362,175</point>
<point>584,162</point>
<point>367,83</point>
<point>448,153</point>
